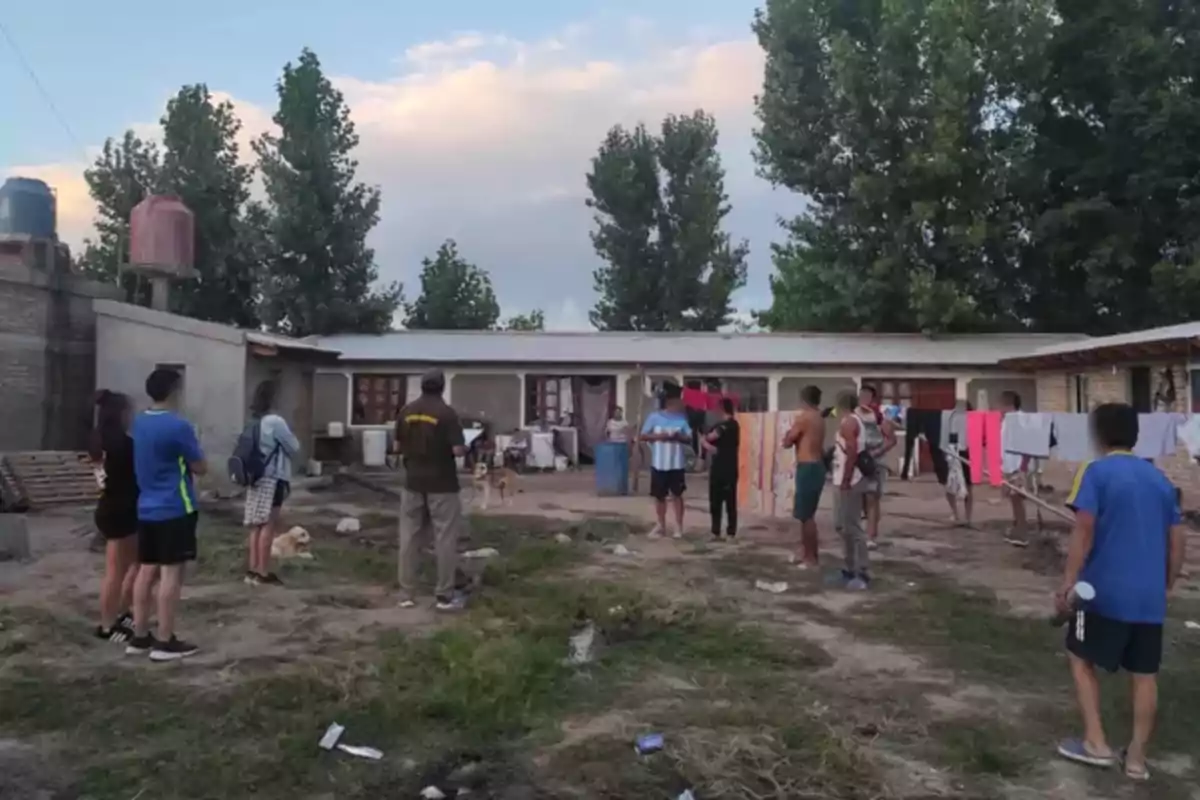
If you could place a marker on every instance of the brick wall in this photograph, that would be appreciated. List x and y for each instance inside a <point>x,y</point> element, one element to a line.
<point>1056,393</point>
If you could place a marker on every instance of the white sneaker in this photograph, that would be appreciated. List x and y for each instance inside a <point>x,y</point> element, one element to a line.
<point>677,533</point>
<point>655,533</point>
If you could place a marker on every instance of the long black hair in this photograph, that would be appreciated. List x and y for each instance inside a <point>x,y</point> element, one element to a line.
<point>111,408</point>
<point>264,398</point>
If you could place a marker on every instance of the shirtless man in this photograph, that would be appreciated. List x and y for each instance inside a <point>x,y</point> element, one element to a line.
<point>807,435</point>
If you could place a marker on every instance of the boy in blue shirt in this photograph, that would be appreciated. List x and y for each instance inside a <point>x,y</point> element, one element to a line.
<point>669,435</point>
<point>1129,545</point>
<point>166,456</point>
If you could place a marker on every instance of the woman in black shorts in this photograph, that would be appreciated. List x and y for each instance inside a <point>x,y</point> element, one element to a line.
<point>116,513</point>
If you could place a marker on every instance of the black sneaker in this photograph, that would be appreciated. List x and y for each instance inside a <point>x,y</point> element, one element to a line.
<point>141,645</point>
<point>270,579</point>
<point>118,633</point>
<point>172,650</point>
<point>252,579</point>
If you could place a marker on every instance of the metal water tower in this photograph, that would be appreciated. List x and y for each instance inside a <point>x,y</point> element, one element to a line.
<point>162,237</point>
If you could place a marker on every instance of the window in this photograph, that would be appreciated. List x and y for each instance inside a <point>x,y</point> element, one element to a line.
<point>550,398</point>
<point>377,398</point>
<point>1140,393</point>
<point>1077,388</point>
<point>892,392</point>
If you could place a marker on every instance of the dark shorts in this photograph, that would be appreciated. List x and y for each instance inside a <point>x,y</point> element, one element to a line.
<point>665,482</point>
<point>810,482</point>
<point>167,542</point>
<point>1112,644</point>
<point>114,525</point>
<point>283,490</point>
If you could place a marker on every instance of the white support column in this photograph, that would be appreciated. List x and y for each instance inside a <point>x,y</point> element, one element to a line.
<point>520,399</point>
<point>449,382</point>
<point>349,397</point>
<point>773,382</point>
<point>622,387</point>
<point>960,388</point>
<point>412,387</point>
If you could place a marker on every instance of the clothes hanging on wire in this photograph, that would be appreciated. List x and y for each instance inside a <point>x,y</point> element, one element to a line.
<point>1073,438</point>
<point>985,444</point>
<point>1026,434</point>
<point>1189,435</point>
<point>928,423</point>
<point>1158,435</point>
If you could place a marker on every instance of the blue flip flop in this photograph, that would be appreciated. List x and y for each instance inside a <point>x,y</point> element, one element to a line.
<point>1076,750</point>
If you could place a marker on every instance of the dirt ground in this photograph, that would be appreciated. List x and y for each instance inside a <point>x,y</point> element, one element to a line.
<point>943,681</point>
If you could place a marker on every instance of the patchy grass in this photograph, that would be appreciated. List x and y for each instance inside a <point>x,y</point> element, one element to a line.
<point>971,632</point>
<point>486,690</point>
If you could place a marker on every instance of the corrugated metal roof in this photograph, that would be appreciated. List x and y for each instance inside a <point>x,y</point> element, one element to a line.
<point>483,347</point>
<point>286,342</point>
<point>1168,333</point>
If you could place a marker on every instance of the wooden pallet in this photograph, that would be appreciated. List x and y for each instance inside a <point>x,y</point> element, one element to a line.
<point>46,479</point>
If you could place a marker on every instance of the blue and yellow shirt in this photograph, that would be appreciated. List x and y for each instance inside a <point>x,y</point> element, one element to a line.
<point>1134,506</point>
<point>164,444</point>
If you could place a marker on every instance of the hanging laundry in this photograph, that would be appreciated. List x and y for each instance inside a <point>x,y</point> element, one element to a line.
<point>1074,438</point>
<point>1026,434</point>
<point>696,399</point>
<point>1189,435</point>
<point>984,442</point>
<point>1158,435</point>
<point>922,422</point>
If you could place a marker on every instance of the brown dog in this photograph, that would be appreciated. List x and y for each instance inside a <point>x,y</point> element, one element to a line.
<point>485,478</point>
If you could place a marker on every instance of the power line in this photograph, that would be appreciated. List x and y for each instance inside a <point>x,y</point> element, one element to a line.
<point>41,88</point>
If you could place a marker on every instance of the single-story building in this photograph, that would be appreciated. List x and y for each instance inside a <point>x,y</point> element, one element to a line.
<point>516,378</point>
<point>1152,370</point>
<point>221,367</point>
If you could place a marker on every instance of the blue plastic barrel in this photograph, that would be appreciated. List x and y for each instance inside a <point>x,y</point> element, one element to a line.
<point>612,468</point>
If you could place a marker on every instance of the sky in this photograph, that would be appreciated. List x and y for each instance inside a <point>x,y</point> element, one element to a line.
<point>477,119</point>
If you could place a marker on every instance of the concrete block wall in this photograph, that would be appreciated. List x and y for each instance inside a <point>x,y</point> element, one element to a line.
<point>47,356</point>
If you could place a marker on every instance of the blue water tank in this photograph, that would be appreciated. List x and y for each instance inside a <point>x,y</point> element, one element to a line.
<point>612,468</point>
<point>28,208</point>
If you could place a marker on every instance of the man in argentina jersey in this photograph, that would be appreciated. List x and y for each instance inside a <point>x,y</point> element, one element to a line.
<point>669,435</point>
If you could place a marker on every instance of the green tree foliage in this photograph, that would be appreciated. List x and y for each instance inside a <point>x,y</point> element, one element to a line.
<point>896,119</point>
<point>120,178</point>
<point>533,321</point>
<point>201,166</point>
<point>1114,197</point>
<point>321,273</point>
<point>659,203</point>
<point>978,166</point>
<point>455,294</point>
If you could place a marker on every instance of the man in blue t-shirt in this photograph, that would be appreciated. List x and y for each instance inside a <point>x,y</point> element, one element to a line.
<point>670,436</point>
<point>1129,545</point>
<point>166,456</point>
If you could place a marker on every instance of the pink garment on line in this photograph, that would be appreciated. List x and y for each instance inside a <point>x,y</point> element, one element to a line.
<point>986,450</point>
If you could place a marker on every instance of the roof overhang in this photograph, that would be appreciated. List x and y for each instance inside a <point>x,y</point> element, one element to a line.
<point>1180,348</point>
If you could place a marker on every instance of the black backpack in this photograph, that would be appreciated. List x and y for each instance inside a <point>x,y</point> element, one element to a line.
<point>247,465</point>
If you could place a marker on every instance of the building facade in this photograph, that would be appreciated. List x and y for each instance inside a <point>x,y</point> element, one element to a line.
<point>512,379</point>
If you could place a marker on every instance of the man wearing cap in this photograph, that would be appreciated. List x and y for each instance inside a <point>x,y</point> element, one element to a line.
<point>428,437</point>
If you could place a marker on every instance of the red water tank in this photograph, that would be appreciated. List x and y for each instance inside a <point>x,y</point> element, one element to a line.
<point>162,236</point>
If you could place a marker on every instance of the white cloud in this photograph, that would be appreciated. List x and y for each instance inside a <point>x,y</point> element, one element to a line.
<point>487,140</point>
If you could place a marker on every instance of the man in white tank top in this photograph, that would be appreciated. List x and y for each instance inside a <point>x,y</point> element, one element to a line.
<point>850,460</point>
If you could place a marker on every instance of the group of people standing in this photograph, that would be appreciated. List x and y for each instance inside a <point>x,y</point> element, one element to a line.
<point>147,513</point>
<point>854,464</point>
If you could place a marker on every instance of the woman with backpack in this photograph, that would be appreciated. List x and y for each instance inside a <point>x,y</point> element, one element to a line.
<point>111,451</point>
<point>277,447</point>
